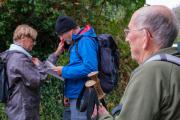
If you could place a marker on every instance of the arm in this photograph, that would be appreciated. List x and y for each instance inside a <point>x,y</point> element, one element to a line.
<point>54,56</point>
<point>88,50</point>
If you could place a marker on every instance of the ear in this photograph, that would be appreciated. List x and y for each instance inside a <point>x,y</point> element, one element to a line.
<point>73,31</point>
<point>147,39</point>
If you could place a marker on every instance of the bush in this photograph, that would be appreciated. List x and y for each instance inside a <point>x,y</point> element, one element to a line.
<point>106,16</point>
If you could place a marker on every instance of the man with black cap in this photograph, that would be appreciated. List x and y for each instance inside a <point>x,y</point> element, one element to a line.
<point>83,60</point>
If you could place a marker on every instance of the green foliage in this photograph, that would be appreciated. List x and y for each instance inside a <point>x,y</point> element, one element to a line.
<point>106,16</point>
<point>2,112</point>
<point>51,100</point>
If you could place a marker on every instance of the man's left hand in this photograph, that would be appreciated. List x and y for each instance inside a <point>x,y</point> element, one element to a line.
<point>58,69</point>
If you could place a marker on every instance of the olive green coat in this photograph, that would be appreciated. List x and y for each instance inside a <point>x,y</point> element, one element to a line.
<point>153,92</point>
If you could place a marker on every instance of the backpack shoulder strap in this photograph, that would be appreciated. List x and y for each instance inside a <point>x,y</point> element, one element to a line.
<point>178,47</point>
<point>76,44</point>
<point>165,57</point>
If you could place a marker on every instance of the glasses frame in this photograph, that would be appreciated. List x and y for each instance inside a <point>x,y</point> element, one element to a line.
<point>127,30</point>
<point>33,40</point>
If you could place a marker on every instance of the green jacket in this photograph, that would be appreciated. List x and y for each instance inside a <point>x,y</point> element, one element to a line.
<point>153,92</point>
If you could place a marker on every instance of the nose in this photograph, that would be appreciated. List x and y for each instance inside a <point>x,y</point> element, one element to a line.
<point>126,39</point>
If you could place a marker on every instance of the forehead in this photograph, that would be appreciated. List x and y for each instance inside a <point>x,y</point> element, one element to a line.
<point>132,20</point>
<point>131,24</point>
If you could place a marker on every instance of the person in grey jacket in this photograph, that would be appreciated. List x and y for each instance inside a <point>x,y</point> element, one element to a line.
<point>154,87</point>
<point>25,75</point>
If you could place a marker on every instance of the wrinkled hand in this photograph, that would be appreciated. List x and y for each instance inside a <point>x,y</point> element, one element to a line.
<point>36,61</point>
<point>60,48</point>
<point>58,69</point>
<point>101,111</point>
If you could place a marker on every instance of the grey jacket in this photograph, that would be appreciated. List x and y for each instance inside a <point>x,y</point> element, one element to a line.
<point>24,80</point>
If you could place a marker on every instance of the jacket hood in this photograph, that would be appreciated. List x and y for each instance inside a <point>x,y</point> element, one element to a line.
<point>87,31</point>
<point>4,55</point>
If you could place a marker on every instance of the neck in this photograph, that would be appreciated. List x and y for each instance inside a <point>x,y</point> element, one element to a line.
<point>148,54</point>
<point>20,43</point>
<point>17,43</point>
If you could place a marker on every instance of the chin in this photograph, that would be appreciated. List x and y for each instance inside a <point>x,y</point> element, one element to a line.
<point>29,50</point>
<point>134,58</point>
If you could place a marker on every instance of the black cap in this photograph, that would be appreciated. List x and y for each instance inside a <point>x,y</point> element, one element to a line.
<point>64,24</point>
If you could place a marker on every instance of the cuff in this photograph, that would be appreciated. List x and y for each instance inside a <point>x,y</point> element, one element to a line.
<point>53,58</point>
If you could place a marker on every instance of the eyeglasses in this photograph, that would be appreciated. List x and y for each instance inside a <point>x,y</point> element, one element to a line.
<point>127,30</point>
<point>33,40</point>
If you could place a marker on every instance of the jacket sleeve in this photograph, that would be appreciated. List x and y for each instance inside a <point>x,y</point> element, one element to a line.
<point>53,58</point>
<point>29,73</point>
<point>87,49</point>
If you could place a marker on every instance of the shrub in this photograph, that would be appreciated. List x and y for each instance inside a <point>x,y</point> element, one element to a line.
<point>106,16</point>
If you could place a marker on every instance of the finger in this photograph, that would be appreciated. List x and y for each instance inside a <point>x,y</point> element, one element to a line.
<point>61,44</point>
<point>32,58</point>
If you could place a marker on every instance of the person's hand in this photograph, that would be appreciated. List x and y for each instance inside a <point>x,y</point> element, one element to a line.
<point>58,69</point>
<point>101,111</point>
<point>60,48</point>
<point>66,102</point>
<point>36,61</point>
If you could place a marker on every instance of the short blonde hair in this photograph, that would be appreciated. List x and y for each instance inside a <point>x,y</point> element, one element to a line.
<point>24,30</point>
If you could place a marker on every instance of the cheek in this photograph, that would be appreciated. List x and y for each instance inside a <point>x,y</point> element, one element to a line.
<point>132,41</point>
<point>135,46</point>
<point>30,45</point>
<point>64,36</point>
<point>67,35</point>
